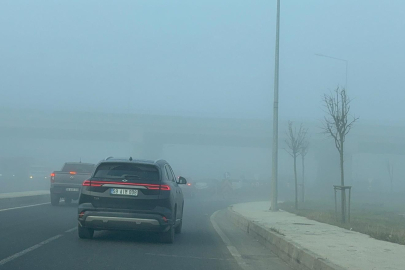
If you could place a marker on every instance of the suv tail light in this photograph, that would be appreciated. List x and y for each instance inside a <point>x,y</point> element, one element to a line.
<point>161,187</point>
<point>89,183</point>
<point>52,177</point>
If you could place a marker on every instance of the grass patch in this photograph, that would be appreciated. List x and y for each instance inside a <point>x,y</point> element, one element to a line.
<point>381,222</point>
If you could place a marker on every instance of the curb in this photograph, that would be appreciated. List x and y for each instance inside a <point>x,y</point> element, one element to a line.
<point>293,254</point>
<point>15,201</point>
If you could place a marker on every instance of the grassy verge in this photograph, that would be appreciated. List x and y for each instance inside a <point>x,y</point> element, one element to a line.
<point>379,221</point>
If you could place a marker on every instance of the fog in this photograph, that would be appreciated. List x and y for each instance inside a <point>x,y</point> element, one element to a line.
<point>192,82</point>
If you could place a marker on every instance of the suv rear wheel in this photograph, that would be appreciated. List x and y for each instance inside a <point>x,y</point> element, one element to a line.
<point>168,237</point>
<point>85,233</point>
<point>55,199</point>
<point>178,228</point>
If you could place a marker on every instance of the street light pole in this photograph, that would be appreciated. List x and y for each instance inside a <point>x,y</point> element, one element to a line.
<point>274,206</point>
<point>339,59</point>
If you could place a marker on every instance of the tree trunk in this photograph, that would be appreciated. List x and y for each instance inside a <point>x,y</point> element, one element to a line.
<point>303,179</point>
<point>342,180</point>
<point>296,182</point>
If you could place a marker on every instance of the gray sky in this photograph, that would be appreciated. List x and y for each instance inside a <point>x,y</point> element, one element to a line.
<point>204,58</point>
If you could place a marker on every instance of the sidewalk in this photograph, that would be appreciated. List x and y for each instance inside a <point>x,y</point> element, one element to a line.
<point>310,244</point>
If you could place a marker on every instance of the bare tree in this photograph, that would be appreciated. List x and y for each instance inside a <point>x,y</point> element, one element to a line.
<point>390,168</point>
<point>295,139</point>
<point>337,125</point>
<point>303,153</point>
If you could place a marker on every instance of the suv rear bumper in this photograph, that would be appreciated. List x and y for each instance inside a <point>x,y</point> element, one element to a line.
<point>114,220</point>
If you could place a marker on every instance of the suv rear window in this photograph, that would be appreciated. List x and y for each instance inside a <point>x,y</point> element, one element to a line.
<point>133,172</point>
<point>78,167</point>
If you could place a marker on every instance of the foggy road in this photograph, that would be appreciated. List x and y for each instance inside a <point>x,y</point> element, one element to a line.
<point>45,237</point>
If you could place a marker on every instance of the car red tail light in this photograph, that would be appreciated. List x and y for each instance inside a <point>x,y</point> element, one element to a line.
<point>157,187</point>
<point>164,187</point>
<point>89,183</point>
<point>52,177</point>
<point>72,173</point>
<point>86,183</point>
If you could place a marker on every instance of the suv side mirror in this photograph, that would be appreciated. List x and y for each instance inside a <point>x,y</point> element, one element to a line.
<point>181,181</point>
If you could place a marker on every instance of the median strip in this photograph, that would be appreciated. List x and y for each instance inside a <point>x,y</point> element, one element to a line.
<point>15,199</point>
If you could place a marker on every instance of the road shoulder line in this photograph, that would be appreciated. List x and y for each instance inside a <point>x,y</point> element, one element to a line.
<point>232,249</point>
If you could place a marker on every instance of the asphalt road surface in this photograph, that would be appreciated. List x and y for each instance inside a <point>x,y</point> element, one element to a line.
<point>45,237</point>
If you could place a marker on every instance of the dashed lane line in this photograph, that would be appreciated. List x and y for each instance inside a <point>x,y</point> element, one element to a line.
<point>26,206</point>
<point>71,230</point>
<point>25,251</point>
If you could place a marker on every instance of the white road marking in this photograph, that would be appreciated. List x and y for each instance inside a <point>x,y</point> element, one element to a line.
<point>25,251</point>
<point>71,230</point>
<point>234,252</point>
<point>26,206</point>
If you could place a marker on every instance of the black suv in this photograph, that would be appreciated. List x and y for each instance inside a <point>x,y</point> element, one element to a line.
<point>126,194</point>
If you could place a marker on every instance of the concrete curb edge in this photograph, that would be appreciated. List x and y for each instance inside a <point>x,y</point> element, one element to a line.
<point>293,254</point>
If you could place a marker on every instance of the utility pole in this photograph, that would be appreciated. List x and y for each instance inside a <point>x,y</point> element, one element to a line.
<point>274,167</point>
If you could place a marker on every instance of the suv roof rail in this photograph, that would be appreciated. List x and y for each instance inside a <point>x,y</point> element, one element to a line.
<point>107,158</point>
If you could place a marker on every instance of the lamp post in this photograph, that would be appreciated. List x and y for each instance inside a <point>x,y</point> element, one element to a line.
<point>274,167</point>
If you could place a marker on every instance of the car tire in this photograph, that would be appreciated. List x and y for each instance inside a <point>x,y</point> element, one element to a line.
<point>178,228</point>
<point>168,236</point>
<point>55,199</point>
<point>85,233</point>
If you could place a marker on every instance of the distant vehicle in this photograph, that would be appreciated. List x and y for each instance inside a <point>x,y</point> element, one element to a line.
<point>39,172</point>
<point>126,194</point>
<point>38,177</point>
<point>205,184</point>
<point>201,185</point>
<point>236,184</point>
<point>207,187</point>
<point>67,183</point>
<point>189,189</point>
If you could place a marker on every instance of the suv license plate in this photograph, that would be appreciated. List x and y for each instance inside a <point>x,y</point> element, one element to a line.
<point>72,189</point>
<point>126,192</point>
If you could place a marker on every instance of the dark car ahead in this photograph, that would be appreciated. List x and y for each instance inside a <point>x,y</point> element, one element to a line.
<point>67,182</point>
<point>126,194</point>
